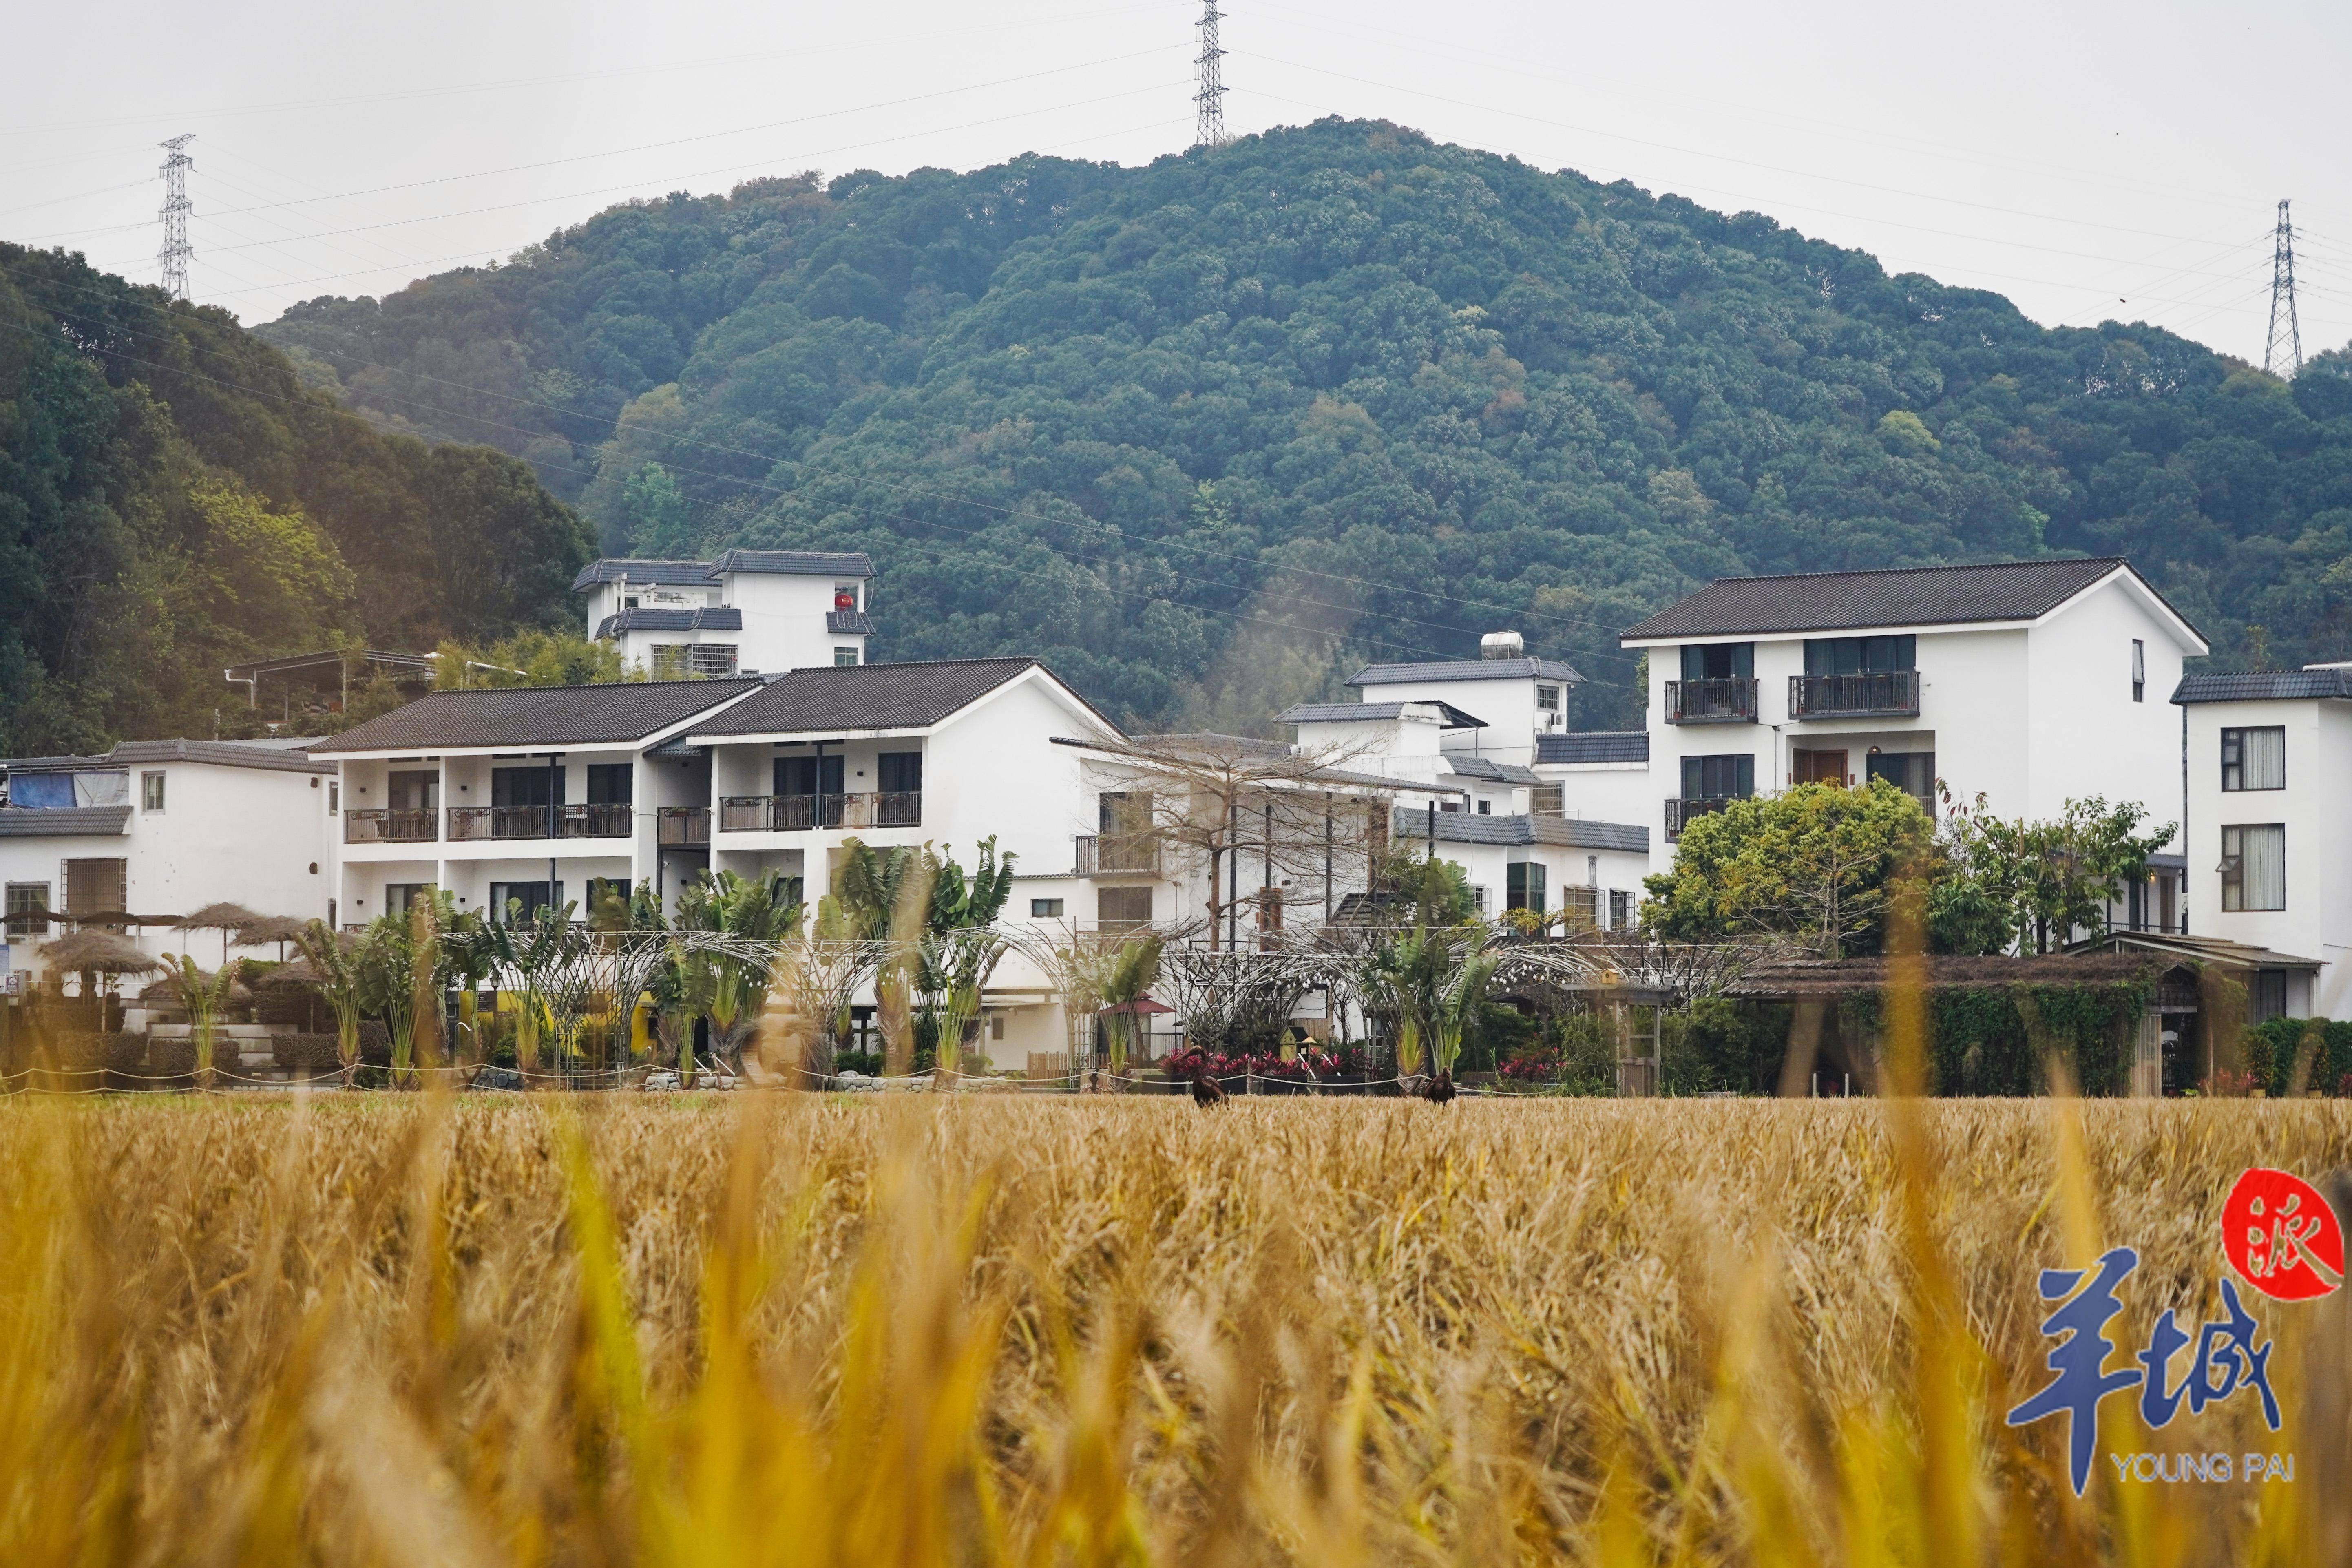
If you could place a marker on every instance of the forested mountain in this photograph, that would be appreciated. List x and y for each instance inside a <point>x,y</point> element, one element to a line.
<point>1200,433</point>
<point>172,501</point>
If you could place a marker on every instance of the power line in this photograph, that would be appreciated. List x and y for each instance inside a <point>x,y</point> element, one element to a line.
<point>2286,333</point>
<point>174,257</point>
<point>703,136</point>
<point>1209,103</point>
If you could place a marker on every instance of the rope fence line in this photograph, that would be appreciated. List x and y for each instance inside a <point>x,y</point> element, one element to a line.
<point>1069,1083</point>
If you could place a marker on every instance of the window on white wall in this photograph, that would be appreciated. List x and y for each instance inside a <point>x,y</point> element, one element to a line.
<point>2139,671</point>
<point>845,658</point>
<point>26,900</point>
<point>2253,867</point>
<point>151,792</point>
<point>2254,758</point>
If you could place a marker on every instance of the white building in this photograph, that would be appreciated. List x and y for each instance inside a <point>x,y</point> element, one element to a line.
<point>2269,757</point>
<point>1474,733</point>
<point>2030,682</point>
<point>749,611</point>
<point>159,829</point>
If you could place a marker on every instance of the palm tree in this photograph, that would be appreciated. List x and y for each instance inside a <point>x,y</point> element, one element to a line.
<point>203,995</point>
<point>335,970</point>
<point>731,988</point>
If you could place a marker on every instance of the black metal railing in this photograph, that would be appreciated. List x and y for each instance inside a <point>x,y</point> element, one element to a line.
<point>1116,854</point>
<point>381,827</point>
<point>602,820</point>
<point>799,812</point>
<point>1680,814</point>
<point>1729,699</point>
<point>684,825</point>
<point>1874,692</point>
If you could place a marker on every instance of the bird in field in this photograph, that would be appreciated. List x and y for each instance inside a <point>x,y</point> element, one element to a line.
<point>1206,1090</point>
<point>1439,1090</point>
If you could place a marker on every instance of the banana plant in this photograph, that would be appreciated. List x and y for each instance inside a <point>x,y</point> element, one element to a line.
<point>531,950</point>
<point>1128,973</point>
<point>204,997</point>
<point>952,968</point>
<point>336,973</point>
<point>1455,1006</point>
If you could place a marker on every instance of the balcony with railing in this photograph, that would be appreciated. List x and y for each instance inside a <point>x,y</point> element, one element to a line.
<point>382,826</point>
<point>1681,814</point>
<point>1728,699</point>
<point>477,823</point>
<point>1117,855</point>
<point>686,826</point>
<point>1868,694</point>
<point>801,813</point>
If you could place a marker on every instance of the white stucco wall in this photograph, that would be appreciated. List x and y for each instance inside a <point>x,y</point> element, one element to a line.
<point>2317,919</point>
<point>246,835</point>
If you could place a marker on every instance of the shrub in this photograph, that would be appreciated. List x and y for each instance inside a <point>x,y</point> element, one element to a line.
<point>312,1053</point>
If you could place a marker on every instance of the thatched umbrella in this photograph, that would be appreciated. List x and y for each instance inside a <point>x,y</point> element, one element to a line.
<point>280,929</point>
<point>93,953</point>
<point>223,918</point>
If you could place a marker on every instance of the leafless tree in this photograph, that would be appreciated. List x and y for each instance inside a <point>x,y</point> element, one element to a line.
<point>1250,819</point>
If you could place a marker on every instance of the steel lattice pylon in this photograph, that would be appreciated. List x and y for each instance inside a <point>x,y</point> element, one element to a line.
<point>174,256</point>
<point>1209,103</point>
<point>2287,333</point>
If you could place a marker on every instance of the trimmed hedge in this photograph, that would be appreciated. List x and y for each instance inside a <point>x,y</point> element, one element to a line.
<point>1991,1040</point>
<point>314,1053</point>
<point>2272,1049</point>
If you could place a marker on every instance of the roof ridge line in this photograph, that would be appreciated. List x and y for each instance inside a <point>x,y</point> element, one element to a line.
<point>1908,571</point>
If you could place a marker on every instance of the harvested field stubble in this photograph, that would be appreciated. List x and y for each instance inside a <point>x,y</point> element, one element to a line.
<point>801,1331</point>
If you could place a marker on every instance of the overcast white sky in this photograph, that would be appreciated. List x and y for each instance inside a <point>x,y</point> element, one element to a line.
<point>2089,161</point>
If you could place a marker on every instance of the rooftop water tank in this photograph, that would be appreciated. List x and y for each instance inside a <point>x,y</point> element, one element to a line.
<point>1502,644</point>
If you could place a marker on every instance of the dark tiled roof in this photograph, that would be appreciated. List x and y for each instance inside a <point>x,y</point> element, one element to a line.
<point>708,618</point>
<point>1595,746</point>
<point>848,623</point>
<point>2263,685</point>
<point>1465,669</point>
<point>520,718</point>
<point>1572,832</point>
<point>612,569</point>
<point>796,563</point>
<point>1366,712</point>
<point>65,821</point>
<point>291,756</point>
<point>1911,596</point>
<point>1489,769</point>
<point>835,699</point>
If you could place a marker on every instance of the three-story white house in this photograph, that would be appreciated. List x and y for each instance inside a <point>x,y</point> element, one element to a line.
<point>2029,682</point>
<point>2269,759</point>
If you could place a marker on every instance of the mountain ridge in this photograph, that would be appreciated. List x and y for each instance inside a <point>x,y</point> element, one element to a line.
<point>1203,430</point>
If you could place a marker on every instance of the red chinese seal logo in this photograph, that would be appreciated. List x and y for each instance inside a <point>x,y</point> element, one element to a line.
<point>2281,1236</point>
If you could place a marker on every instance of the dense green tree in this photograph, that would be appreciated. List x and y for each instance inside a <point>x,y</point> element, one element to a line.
<point>1205,432</point>
<point>173,500</point>
<point>1818,865</point>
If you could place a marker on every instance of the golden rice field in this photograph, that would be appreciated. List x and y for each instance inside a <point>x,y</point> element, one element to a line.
<point>400,1330</point>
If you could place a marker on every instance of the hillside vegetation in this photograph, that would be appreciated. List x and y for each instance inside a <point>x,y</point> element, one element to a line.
<point>172,501</point>
<point>1200,432</point>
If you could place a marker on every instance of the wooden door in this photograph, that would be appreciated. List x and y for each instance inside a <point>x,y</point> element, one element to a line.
<point>1819,767</point>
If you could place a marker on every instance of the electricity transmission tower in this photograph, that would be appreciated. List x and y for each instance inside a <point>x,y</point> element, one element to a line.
<point>176,250</point>
<point>1209,103</point>
<point>2286,334</point>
